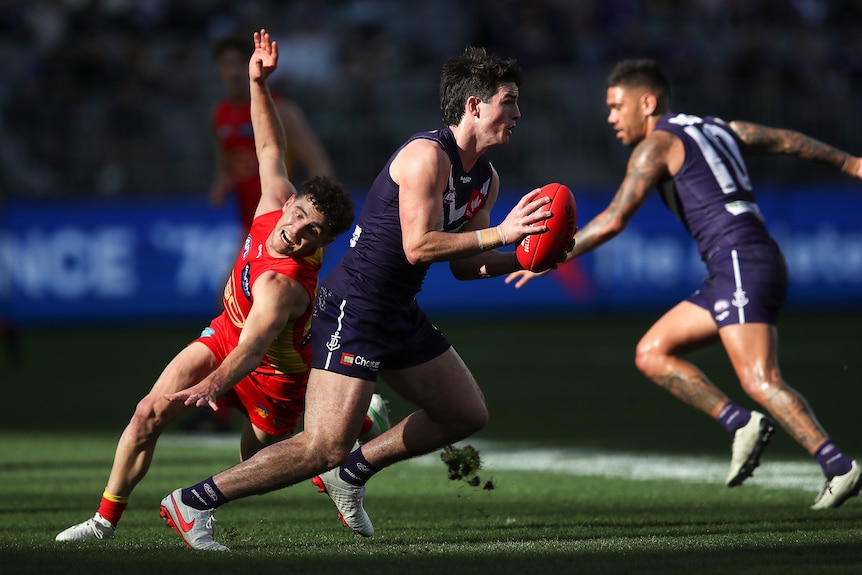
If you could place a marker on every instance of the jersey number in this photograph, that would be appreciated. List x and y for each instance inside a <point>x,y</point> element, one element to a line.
<point>717,145</point>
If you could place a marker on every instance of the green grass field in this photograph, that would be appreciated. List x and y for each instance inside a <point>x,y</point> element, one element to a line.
<point>596,470</point>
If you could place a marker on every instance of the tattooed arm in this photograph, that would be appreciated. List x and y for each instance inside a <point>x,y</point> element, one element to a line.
<point>766,140</point>
<point>647,165</point>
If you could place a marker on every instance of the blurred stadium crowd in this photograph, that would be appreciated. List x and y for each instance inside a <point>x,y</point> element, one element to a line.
<point>112,97</point>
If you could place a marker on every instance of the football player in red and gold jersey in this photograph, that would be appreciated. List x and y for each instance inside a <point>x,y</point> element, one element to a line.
<point>253,356</point>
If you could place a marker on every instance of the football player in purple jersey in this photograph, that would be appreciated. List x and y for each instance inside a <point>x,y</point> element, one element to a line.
<point>696,165</point>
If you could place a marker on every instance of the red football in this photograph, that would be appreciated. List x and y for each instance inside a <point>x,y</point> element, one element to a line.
<point>540,252</point>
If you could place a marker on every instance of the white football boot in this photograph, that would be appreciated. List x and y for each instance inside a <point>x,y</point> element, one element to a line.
<point>748,443</point>
<point>94,529</point>
<point>347,499</point>
<point>195,526</point>
<point>839,489</point>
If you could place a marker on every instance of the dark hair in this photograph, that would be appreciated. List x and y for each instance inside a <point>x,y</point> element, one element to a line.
<point>332,200</point>
<point>643,73</point>
<point>473,73</point>
<point>233,42</point>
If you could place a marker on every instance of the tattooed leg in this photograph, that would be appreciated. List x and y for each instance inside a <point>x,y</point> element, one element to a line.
<point>753,351</point>
<point>688,384</point>
<point>684,328</point>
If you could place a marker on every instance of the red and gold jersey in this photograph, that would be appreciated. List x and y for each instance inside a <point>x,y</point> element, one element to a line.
<point>287,354</point>
<point>233,130</point>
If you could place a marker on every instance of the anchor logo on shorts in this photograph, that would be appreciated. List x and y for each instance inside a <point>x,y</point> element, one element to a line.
<point>334,341</point>
<point>739,298</point>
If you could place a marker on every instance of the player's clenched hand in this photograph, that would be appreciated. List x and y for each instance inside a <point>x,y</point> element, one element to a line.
<point>200,395</point>
<point>265,58</point>
<point>526,217</point>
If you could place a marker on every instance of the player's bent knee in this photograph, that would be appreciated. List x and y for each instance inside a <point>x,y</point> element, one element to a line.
<point>472,422</point>
<point>760,390</point>
<point>148,420</point>
<point>326,455</point>
<point>646,360</point>
<point>479,419</point>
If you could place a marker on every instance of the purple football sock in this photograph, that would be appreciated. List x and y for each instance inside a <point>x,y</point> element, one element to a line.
<point>832,460</point>
<point>732,417</point>
<point>204,495</point>
<point>356,470</point>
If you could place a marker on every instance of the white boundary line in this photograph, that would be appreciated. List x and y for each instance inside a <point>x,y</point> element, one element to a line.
<point>639,466</point>
<point>636,466</point>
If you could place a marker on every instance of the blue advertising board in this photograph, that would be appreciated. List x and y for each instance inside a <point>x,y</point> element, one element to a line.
<point>138,260</point>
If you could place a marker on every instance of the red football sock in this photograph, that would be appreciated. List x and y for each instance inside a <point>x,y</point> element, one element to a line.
<point>112,507</point>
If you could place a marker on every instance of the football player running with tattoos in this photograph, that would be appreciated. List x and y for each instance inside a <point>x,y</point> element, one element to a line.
<point>697,167</point>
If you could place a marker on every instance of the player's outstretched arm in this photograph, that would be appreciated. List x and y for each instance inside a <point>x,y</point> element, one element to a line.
<point>766,140</point>
<point>276,299</point>
<point>646,166</point>
<point>269,139</point>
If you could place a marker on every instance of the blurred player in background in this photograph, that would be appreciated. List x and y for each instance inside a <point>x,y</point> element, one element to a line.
<point>254,356</point>
<point>430,203</point>
<point>697,167</point>
<point>236,166</point>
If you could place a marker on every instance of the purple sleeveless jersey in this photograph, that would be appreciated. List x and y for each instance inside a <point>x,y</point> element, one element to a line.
<point>375,269</point>
<point>712,196</point>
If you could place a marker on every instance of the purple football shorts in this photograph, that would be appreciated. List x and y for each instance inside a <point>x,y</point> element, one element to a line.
<point>351,337</point>
<point>746,284</point>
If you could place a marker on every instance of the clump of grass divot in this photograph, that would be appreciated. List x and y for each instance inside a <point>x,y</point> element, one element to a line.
<point>464,464</point>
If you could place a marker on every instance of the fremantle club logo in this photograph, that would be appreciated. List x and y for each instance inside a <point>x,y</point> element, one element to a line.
<point>740,300</point>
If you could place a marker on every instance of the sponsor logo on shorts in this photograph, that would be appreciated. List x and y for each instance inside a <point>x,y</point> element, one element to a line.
<point>721,305</point>
<point>358,360</point>
<point>722,316</point>
<point>246,247</point>
<point>261,411</point>
<point>208,332</point>
<point>246,281</point>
